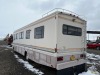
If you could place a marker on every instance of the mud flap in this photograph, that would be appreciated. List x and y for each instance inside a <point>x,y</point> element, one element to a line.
<point>72,70</point>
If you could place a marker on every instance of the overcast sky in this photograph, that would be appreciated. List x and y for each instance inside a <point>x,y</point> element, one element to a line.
<point>18,13</point>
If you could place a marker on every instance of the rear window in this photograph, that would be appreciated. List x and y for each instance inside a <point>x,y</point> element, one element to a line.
<point>71,30</point>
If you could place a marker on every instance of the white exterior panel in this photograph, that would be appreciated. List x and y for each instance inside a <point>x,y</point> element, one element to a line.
<point>70,42</point>
<point>49,40</point>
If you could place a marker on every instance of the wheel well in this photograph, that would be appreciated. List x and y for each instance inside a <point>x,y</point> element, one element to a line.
<point>25,54</point>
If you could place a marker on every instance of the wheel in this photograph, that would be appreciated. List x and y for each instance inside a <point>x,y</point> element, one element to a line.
<point>98,48</point>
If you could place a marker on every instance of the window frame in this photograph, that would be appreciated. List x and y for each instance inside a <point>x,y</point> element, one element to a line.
<point>39,32</point>
<point>19,35</point>
<point>28,32</point>
<point>71,30</point>
<point>22,35</point>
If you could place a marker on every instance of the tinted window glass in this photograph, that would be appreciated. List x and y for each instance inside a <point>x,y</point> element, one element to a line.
<point>21,35</point>
<point>72,30</point>
<point>39,32</point>
<point>28,34</point>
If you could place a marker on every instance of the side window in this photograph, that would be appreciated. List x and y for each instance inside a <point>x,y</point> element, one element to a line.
<point>39,32</point>
<point>71,30</point>
<point>17,36</point>
<point>21,35</point>
<point>28,34</point>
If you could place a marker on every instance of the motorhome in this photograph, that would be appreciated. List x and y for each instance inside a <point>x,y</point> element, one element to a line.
<point>57,40</point>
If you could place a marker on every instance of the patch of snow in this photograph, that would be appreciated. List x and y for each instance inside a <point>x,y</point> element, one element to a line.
<point>11,51</point>
<point>6,49</point>
<point>89,62</point>
<point>97,56</point>
<point>93,60</point>
<point>29,66</point>
<point>91,71</point>
<point>7,46</point>
<point>2,45</point>
<point>16,56</point>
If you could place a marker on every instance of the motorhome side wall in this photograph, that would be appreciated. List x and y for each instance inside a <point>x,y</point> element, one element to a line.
<point>49,40</point>
<point>70,42</point>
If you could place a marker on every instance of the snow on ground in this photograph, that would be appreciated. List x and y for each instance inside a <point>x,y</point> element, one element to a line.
<point>5,49</point>
<point>28,66</point>
<point>88,73</point>
<point>91,71</point>
<point>93,60</point>
<point>7,46</point>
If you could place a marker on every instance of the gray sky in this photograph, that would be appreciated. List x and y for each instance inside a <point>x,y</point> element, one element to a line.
<point>18,13</point>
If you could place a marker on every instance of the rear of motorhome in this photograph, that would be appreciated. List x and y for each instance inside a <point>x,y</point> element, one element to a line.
<point>57,40</point>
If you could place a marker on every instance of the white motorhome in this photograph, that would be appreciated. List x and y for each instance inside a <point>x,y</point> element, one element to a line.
<point>57,40</point>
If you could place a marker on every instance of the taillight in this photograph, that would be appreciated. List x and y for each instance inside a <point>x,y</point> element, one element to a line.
<point>82,56</point>
<point>59,58</point>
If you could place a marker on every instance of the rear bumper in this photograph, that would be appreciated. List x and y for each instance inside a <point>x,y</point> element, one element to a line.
<point>70,64</point>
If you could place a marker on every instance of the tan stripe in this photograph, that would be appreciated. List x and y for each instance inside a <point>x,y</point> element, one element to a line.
<point>75,49</point>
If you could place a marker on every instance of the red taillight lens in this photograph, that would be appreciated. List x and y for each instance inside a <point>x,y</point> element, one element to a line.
<point>82,56</point>
<point>59,58</point>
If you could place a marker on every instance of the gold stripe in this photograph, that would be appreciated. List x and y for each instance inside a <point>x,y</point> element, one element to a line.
<point>75,48</point>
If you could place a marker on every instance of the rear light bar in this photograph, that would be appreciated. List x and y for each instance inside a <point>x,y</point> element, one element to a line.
<point>60,58</point>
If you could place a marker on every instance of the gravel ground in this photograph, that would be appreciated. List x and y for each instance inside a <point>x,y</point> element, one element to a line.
<point>10,66</point>
<point>93,51</point>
